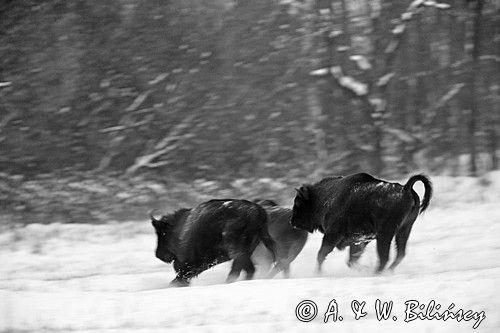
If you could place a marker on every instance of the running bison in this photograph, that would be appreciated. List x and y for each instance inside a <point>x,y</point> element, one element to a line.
<point>289,240</point>
<point>211,233</point>
<point>353,210</point>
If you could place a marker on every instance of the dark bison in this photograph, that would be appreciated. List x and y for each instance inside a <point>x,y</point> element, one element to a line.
<point>353,210</point>
<point>211,233</point>
<point>289,240</point>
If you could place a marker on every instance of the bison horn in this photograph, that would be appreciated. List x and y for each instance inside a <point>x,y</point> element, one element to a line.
<point>152,216</point>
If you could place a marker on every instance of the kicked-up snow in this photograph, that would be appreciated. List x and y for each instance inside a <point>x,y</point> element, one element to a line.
<point>105,278</point>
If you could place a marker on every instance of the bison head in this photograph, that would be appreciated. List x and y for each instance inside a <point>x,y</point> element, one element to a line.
<point>302,214</point>
<point>165,232</point>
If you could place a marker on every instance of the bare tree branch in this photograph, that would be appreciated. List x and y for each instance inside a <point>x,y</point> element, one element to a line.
<point>10,116</point>
<point>164,146</point>
<point>173,135</point>
<point>125,122</point>
<point>138,101</point>
<point>414,138</point>
<point>124,127</point>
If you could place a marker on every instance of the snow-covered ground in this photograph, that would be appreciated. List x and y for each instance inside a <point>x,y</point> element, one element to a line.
<point>105,278</point>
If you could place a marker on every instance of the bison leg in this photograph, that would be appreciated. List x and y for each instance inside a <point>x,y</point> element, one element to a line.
<point>236,267</point>
<point>384,239</point>
<point>249,268</point>
<point>401,240</point>
<point>327,245</point>
<point>283,265</point>
<point>240,263</point>
<point>185,273</point>
<point>182,279</point>
<point>286,271</point>
<point>279,267</point>
<point>355,252</point>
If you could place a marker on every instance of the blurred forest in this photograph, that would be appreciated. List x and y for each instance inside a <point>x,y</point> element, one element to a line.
<point>126,99</point>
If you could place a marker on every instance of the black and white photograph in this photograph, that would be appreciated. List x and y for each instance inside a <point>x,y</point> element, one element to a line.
<point>249,166</point>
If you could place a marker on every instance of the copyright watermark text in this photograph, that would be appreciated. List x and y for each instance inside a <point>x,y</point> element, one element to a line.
<point>307,310</point>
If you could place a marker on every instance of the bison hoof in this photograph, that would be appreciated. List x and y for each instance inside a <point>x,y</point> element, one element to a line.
<point>179,283</point>
<point>231,279</point>
<point>357,266</point>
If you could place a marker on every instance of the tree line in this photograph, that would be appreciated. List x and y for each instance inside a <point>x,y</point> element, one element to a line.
<point>234,88</point>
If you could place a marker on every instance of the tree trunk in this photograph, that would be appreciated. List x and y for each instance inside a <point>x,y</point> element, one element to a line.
<point>454,122</point>
<point>493,127</point>
<point>317,118</point>
<point>473,84</point>
<point>313,102</point>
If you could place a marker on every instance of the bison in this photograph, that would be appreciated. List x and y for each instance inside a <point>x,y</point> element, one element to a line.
<point>353,210</point>
<point>211,233</point>
<point>289,240</point>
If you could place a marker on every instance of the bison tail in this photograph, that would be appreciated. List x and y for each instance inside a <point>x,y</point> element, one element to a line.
<point>427,186</point>
<point>268,241</point>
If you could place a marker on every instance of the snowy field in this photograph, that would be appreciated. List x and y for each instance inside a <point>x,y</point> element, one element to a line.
<point>105,278</point>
